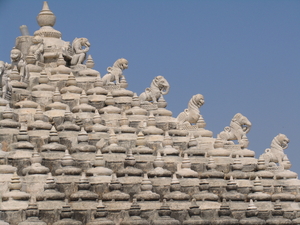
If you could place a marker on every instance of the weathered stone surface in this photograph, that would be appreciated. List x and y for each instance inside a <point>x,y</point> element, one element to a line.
<point>80,149</point>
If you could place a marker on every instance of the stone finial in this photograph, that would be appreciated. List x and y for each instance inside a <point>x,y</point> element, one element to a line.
<point>113,144</point>
<point>115,193</point>
<point>168,148</point>
<point>251,205</point>
<point>146,183</point>
<point>99,168</point>
<point>90,62</point>
<point>46,17</point>
<point>135,101</point>
<point>67,168</point>
<point>113,141</point>
<point>97,118</point>
<point>109,99</point>
<point>140,139</point>
<point>201,122</point>
<point>186,170</point>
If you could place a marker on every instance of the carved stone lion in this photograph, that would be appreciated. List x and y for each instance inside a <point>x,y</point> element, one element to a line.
<point>239,126</point>
<point>115,73</point>
<point>17,60</point>
<point>192,113</point>
<point>158,87</point>
<point>275,154</point>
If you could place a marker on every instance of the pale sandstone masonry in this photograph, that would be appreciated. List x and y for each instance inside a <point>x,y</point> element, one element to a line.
<point>80,149</point>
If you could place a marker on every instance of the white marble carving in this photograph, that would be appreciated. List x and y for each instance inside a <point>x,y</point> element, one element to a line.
<point>239,126</point>
<point>275,153</point>
<point>115,73</point>
<point>192,113</point>
<point>80,47</point>
<point>158,87</point>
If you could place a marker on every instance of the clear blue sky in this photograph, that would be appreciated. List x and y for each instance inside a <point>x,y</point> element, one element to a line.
<point>243,56</point>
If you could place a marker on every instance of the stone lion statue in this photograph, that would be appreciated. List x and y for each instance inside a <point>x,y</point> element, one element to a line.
<point>158,87</point>
<point>192,113</point>
<point>115,73</point>
<point>80,47</point>
<point>239,126</point>
<point>17,60</point>
<point>275,154</point>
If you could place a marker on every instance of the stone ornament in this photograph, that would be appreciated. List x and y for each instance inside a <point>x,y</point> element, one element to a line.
<point>275,154</point>
<point>192,114</point>
<point>238,128</point>
<point>115,73</point>
<point>96,140</point>
<point>17,60</point>
<point>158,87</point>
<point>80,47</point>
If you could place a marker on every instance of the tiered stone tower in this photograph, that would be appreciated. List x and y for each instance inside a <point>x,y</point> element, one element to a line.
<point>80,148</point>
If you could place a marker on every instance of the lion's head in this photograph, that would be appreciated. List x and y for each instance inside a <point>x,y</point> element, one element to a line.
<point>198,100</point>
<point>85,42</point>
<point>15,55</point>
<point>121,63</point>
<point>280,140</point>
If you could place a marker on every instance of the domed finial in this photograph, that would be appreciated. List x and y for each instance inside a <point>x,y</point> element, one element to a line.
<point>90,62</point>
<point>251,205</point>
<point>194,204</point>
<point>46,16</point>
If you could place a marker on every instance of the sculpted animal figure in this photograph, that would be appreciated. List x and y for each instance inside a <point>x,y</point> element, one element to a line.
<point>275,154</point>
<point>17,60</point>
<point>115,73</point>
<point>192,113</point>
<point>80,47</point>
<point>239,126</point>
<point>158,87</point>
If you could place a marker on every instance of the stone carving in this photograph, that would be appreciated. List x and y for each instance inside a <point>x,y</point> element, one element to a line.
<point>275,154</point>
<point>158,87</point>
<point>80,47</point>
<point>192,113</point>
<point>6,89</point>
<point>239,126</point>
<point>194,165</point>
<point>37,49</point>
<point>115,73</point>
<point>2,76</point>
<point>17,60</point>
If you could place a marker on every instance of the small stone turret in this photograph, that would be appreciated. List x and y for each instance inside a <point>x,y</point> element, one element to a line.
<point>164,216</point>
